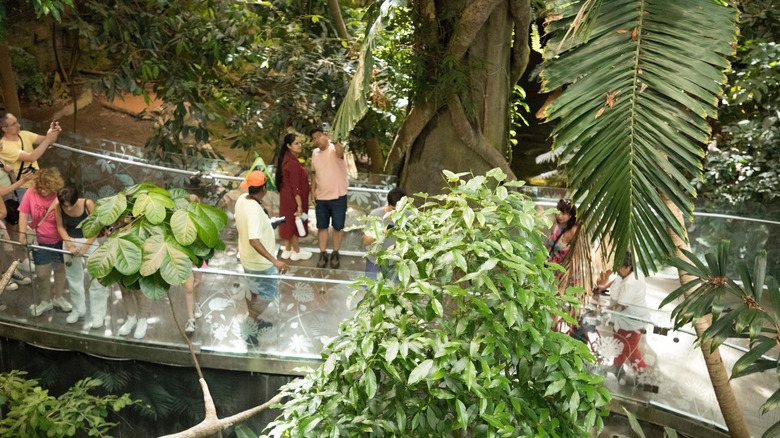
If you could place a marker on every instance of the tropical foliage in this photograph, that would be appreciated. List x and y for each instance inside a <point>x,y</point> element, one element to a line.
<point>29,410</point>
<point>744,167</point>
<point>736,311</point>
<point>462,341</point>
<point>640,78</point>
<point>158,235</point>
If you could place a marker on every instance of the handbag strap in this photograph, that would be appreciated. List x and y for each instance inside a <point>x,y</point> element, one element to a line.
<point>21,168</point>
<point>51,207</point>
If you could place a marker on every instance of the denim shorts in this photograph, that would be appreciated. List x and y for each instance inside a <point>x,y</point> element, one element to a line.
<point>331,212</point>
<point>43,257</point>
<point>267,289</point>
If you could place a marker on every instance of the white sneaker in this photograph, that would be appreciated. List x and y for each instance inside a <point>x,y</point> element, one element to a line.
<point>97,323</point>
<point>11,286</point>
<point>41,308</point>
<point>63,304</point>
<point>140,329</point>
<point>20,278</point>
<point>196,312</point>
<point>25,265</point>
<point>73,317</point>
<point>190,326</point>
<point>286,254</point>
<point>300,255</point>
<point>127,327</point>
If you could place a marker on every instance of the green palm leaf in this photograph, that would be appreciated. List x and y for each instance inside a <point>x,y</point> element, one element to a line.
<point>633,113</point>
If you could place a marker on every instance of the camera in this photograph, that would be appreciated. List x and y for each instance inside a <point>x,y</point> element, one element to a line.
<point>326,127</point>
<point>29,170</point>
<point>276,221</point>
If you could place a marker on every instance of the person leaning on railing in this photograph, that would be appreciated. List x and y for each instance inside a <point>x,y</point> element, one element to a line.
<point>70,211</point>
<point>37,211</point>
<point>627,300</point>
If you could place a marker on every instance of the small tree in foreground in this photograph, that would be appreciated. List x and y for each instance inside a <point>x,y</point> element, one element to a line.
<point>736,311</point>
<point>462,342</point>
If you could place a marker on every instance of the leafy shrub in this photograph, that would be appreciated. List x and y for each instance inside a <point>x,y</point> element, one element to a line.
<point>462,342</point>
<point>31,412</point>
<point>159,236</point>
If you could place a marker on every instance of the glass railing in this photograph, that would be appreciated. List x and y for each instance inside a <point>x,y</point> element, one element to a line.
<point>312,302</point>
<point>675,378</point>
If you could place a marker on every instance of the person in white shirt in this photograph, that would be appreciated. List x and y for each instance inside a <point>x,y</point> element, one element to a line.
<point>627,299</point>
<point>256,242</point>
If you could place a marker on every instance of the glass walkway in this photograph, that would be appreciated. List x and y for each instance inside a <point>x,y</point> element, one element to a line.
<point>313,302</point>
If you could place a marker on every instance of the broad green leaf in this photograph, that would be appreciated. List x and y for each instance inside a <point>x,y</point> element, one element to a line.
<point>184,229</point>
<point>165,255</point>
<point>420,372</point>
<point>153,287</point>
<point>111,208</point>
<point>128,256</point>
<point>101,262</point>
<point>91,226</point>
<point>152,207</point>
<point>370,383</point>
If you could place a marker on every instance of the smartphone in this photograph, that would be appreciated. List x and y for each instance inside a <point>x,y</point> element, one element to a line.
<point>54,122</point>
<point>326,127</point>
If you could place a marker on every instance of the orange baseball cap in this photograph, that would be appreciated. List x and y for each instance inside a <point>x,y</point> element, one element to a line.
<point>256,178</point>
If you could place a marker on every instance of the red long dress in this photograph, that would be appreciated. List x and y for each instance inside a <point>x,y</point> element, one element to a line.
<point>295,181</point>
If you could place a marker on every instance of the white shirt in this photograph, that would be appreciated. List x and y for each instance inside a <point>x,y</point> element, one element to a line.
<point>630,292</point>
<point>253,223</point>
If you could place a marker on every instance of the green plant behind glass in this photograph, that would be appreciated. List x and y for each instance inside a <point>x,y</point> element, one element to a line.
<point>462,341</point>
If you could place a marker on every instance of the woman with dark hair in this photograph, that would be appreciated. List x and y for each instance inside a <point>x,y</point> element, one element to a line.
<point>563,231</point>
<point>70,211</point>
<point>292,181</point>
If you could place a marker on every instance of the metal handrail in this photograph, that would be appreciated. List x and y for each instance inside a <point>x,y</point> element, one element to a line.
<point>209,175</point>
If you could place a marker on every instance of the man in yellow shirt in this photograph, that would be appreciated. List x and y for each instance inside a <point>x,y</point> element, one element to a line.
<point>17,147</point>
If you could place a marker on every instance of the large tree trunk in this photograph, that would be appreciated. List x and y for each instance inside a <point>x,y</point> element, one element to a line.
<point>10,96</point>
<point>466,128</point>
<point>715,367</point>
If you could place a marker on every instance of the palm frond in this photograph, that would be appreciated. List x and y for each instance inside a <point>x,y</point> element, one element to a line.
<point>355,103</point>
<point>633,115</point>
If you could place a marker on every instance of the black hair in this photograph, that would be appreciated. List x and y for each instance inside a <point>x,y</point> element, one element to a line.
<point>394,196</point>
<point>288,140</point>
<point>628,261</point>
<point>253,190</point>
<point>315,130</point>
<point>69,194</point>
<point>566,206</point>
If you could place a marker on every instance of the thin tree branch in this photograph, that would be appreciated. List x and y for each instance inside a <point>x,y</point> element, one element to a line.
<point>521,15</point>
<point>475,140</point>
<point>338,20</point>
<point>186,339</point>
<point>211,426</point>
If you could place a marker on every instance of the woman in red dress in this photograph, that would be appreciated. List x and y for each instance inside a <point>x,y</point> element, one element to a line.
<point>292,180</point>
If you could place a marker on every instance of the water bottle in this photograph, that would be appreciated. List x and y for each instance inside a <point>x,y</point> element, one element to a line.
<point>299,224</point>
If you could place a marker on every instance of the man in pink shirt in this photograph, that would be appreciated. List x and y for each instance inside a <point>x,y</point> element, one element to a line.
<point>329,192</point>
